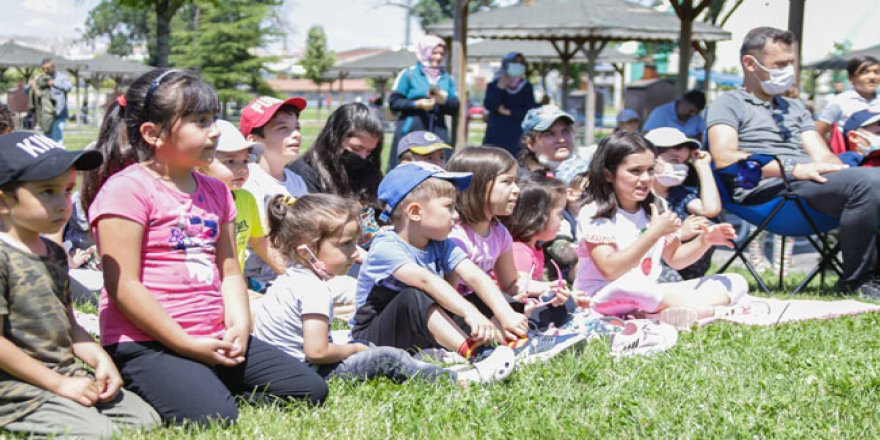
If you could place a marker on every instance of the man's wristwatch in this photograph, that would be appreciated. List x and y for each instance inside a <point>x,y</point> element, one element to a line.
<point>788,168</point>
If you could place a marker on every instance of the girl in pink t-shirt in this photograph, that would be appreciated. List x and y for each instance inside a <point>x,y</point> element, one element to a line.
<point>174,313</point>
<point>623,232</point>
<point>493,192</point>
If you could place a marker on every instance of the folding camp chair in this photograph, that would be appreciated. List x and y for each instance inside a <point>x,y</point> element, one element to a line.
<point>786,215</point>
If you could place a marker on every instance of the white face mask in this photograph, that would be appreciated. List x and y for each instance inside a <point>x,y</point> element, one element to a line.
<point>546,161</point>
<point>516,70</point>
<point>873,142</point>
<point>673,174</point>
<point>780,80</point>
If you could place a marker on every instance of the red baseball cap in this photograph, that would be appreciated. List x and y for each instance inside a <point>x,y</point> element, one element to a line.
<point>261,110</point>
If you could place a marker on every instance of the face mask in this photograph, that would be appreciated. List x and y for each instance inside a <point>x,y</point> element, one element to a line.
<point>780,80</point>
<point>873,142</point>
<point>516,70</point>
<point>547,162</point>
<point>673,174</point>
<point>352,162</point>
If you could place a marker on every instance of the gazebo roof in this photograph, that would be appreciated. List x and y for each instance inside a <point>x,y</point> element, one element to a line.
<point>13,54</point>
<point>538,51</point>
<point>382,64</point>
<point>112,65</point>
<point>839,62</point>
<point>613,20</point>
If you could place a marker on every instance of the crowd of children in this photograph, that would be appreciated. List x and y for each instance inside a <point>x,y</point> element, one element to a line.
<point>223,269</point>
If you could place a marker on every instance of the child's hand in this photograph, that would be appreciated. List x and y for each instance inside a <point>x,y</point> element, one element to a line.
<point>701,160</point>
<point>665,223</point>
<point>582,299</point>
<point>693,225</point>
<point>82,390</point>
<point>357,347</point>
<point>238,337</point>
<point>515,325</point>
<point>107,379</point>
<point>482,330</point>
<point>721,234</point>
<point>211,351</point>
<point>562,294</point>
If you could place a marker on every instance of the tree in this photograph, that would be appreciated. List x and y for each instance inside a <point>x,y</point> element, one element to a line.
<point>718,13</point>
<point>687,12</point>
<point>125,26</point>
<point>128,28</point>
<point>317,59</point>
<point>434,11</point>
<point>218,41</point>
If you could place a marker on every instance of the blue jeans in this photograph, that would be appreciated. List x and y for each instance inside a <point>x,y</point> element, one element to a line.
<point>390,362</point>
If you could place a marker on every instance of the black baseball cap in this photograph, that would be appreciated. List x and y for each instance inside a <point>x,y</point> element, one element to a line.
<point>27,156</point>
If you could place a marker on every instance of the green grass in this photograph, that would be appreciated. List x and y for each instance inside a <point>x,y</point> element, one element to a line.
<point>816,379</point>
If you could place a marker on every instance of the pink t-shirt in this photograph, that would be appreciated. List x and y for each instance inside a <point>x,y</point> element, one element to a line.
<point>527,258</point>
<point>178,261</point>
<point>483,251</point>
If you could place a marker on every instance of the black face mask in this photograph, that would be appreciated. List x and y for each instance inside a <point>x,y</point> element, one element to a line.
<point>353,163</point>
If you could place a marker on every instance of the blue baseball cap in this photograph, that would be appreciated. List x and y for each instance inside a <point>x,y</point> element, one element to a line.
<point>421,143</point>
<point>860,119</point>
<point>27,156</point>
<point>406,177</point>
<point>541,118</point>
<point>627,115</point>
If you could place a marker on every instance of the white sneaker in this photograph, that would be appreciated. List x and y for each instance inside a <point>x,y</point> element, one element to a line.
<point>497,366</point>
<point>643,336</point>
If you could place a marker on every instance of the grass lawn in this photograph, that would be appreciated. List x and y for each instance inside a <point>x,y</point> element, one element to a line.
<point>817,379</point>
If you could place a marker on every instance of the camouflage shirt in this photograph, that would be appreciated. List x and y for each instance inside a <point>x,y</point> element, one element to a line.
<point>34,297</point>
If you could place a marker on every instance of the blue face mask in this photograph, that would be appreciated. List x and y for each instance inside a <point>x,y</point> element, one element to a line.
<point>516,70</point>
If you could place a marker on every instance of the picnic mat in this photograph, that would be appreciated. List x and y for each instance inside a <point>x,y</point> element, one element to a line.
<point>755,310</point>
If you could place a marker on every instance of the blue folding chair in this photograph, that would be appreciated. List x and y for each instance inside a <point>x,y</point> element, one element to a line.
<point>786,215</point>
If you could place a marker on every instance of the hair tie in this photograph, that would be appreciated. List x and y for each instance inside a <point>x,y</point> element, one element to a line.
<point>289,200</point>
<point>121,100</point>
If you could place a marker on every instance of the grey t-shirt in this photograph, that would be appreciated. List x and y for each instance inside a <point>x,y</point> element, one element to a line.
<point>765,127</point>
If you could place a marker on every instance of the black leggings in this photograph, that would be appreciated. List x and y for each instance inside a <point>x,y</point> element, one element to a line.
<point>184,390</point>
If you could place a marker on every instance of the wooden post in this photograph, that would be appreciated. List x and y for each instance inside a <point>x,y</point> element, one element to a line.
<point>459,65</point>
<point>796,26</point>
<point>591,50</point>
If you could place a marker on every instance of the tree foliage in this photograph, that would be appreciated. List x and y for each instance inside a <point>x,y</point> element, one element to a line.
<point>434,11</point>
<point>123,25</point>
<point>218,40</point>
<point>318,59</point>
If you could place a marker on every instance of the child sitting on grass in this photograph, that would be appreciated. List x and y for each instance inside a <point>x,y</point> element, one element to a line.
<point>43,390</point>
<point>625,231</point>
<point>318,233</point>
<point>230,166</point>
<point>402,299</point>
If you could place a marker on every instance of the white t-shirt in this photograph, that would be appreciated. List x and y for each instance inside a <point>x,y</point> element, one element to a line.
<point>264,187</point>
<point>278,316</point>
<point>621,231</point>
<point>842,106</point>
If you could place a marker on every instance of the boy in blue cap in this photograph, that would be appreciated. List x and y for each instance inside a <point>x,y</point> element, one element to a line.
<point>862,132</point>
<point>402,299</point>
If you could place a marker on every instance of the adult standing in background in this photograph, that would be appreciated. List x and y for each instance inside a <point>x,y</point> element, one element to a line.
<point>423,94</point>
<point>683,114</point>
<point>508,97</point>
<point>53,87</point>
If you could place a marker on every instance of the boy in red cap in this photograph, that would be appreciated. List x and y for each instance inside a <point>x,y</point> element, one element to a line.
<point>275,124</point>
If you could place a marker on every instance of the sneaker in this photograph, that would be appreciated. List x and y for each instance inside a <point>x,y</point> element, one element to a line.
<point>594,327</point>
<point>643,336</point>
<point>542,347</point>
<point>682,318</point>
<point>496,366</point>
<point>869,289</point>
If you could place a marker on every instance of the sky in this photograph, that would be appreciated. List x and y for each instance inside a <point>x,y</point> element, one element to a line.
<point>351,24</point>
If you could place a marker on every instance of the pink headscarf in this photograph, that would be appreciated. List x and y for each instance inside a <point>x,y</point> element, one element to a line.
<point>424,48</point>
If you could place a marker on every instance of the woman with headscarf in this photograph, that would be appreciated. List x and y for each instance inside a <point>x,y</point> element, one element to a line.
<point>508,97</point>
<point>423,94</point>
